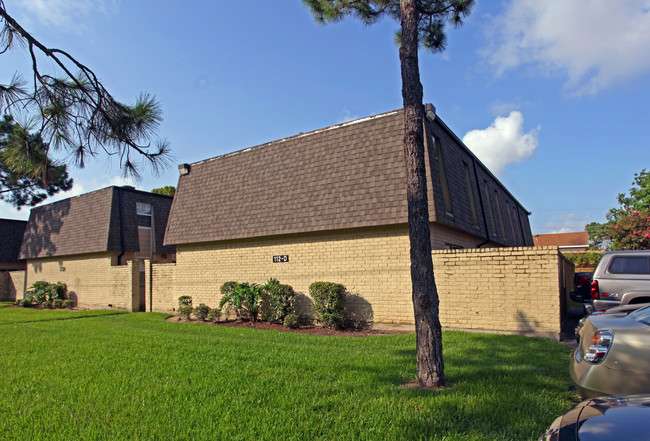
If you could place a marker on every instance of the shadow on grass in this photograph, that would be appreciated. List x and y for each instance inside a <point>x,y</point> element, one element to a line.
<point>51,319</point>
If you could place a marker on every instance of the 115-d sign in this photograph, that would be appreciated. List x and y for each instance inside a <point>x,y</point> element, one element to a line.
<point>281,259</point>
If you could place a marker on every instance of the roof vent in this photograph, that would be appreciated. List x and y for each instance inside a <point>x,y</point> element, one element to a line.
<point>184,169</point>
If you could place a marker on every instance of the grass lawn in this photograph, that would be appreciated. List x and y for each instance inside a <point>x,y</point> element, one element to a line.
<point>98,375</point>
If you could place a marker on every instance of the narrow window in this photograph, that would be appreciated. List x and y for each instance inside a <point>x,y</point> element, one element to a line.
<point>145,230</point>
<point>443,177</point>
<point>489,203</point>
<point>470,193</point>
<point>503,228</point>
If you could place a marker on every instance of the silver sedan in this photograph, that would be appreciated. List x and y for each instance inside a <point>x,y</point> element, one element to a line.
<point>613,357</point>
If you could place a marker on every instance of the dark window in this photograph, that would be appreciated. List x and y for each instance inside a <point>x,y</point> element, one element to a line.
<point>470,193</point>
<point>629,265</point>
<point>443,177</point>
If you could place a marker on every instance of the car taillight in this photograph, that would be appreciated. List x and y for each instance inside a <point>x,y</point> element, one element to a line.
<point>581,281</point>
<point>594,289</point>
<point>600,344</point>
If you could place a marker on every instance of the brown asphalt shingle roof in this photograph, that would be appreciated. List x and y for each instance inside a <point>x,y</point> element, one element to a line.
<point>11,236</point>
<point>345,176</point>
<point>91,223</point>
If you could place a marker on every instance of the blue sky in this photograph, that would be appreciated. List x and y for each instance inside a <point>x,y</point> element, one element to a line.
<point>551,95</point>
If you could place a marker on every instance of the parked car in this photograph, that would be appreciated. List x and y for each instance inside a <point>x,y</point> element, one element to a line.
<point>619,310</point>
<point>613,356</point>
<point>582,287</point>
<point>621,278</point>
<point>625,418</point>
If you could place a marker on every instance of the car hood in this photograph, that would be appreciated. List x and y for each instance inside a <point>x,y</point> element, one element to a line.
<point>625,418</point>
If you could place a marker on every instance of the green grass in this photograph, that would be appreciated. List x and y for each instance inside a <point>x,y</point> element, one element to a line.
<point>135,376</point>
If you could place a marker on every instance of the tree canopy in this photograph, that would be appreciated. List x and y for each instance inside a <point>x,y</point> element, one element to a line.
<point>167,190</point>
<point>628,225</point>
<point>71,111</point>
<point>27,174</point>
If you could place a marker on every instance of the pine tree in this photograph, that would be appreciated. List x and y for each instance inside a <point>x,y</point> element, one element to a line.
<point>422,22</point>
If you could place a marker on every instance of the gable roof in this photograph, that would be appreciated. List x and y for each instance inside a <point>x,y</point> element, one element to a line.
<point>11,236</point>
<point>99,221</point>
<point>349,175</point>
<point>562,239</point>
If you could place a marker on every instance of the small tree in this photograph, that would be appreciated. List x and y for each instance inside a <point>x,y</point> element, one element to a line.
<point>631,231</point>
<point>279,300</point>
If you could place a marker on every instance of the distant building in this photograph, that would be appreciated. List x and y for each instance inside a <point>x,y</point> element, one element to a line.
<point>565,241</point>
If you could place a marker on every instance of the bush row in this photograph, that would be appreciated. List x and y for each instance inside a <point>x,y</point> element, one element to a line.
<point>47,295</point>
<point>272,302</point>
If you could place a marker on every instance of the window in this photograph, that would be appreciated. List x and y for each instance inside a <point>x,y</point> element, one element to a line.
<point>145,213</point>
<point>503,228</point>
<point>629,265</point>
<point>145,230</point>
<point>489,202</point>
<point>443,177</point>
<point>470,194</point>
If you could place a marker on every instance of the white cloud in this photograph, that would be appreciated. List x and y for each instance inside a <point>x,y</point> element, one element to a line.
<point>347,116</point>
<point>566,223</point>
<point>62,13</point>
<point>596,44</point>
<point>502,143</point>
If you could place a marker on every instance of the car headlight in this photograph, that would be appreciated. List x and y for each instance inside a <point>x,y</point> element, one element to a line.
<point>599,347</point>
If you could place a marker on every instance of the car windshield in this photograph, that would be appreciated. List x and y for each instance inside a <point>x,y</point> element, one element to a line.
<point>642,315</point>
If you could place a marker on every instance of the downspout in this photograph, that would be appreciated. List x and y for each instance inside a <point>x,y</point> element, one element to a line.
<point>121,213</point>
<point>480,198</point>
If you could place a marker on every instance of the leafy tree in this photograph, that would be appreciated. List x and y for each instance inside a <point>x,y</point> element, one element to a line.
<point>72,112</point>
<point>422,22</point>
<point>628,224</point>
<point>27,174</point>
<point>167,190</point>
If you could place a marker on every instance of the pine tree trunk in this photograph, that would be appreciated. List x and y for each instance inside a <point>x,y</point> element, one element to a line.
<point>430,366</point>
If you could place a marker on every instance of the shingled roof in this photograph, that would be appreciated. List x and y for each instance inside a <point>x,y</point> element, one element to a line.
<point>99,221</point>
<point>11,236</point>
<point>345,176</point>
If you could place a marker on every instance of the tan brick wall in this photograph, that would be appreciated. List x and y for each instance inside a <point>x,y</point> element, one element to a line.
<point>500,289</point>
<point>373,264</point>
<point>91,279</point>
<point>12,285</point>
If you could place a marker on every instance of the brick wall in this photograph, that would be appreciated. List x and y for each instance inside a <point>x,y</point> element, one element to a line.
<point>11,285</point>
<point>91,279</point>
<point>500,289</point>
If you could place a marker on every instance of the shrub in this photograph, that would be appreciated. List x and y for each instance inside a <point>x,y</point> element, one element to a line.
<point>328,303</point>
<point>68,303</point>
<point>214,315</point>
<point>26,302</point>
<point>184,301</point>
<point>39,292</point>
<point>47,304</point>
<point>57,303</point>
<point>244,299</point>
<point>185,311</point>
<point>291,321</point>
<point>228,300</point>
<point>201,312</point>
<point>57,291</point>
<point>278,301</point>
<point>47,292</point>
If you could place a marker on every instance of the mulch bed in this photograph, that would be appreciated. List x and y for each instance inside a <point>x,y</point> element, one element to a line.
<point>303,329</point>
